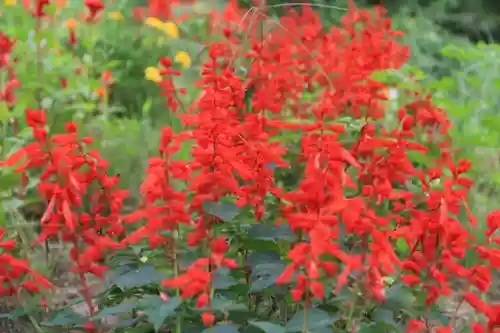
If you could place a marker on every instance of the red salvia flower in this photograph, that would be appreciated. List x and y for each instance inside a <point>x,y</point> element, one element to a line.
<point>94,7</point>
<point>16,274</point>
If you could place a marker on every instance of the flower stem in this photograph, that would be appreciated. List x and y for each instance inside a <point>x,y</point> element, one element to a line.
<point>306,313</point>
<point>178,320</point>
<point>87,295</point>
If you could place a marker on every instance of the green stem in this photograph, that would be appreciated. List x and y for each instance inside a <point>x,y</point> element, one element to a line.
<point>306,312</point>
<point>35,324</point>
<point>306,318</point>
<point>178,320</point>
<point>351,314</point>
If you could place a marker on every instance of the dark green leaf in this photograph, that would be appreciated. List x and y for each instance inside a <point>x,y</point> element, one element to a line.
<point>437,315</point>
<point>193,329</point>
<point>122,308</point>
<point>158,314</point>
<point>399,297</point>
<point>138,277</point>
<point>222,304</point>
<point>127,323</point>
<point>150,301</point>
<point>225,211</point>
<point>263,257</point>
<point>223,328</point>
<point>65,317</point>
<point>271,232</point>
<point>268,327</point>
<point>145,328</point>
<point>223,281</point>
<point>253,244</point>
<point>373,328</point>
<point>384,316</point>
<point>264,276</point>
<point>316,319</point>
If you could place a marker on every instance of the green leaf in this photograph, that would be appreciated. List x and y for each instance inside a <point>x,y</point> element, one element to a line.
<point>223,328</point>
<point>268,327</point>
<point>316,319</point>
<point>263,257</point>
<point>270,232</point>
<point>138,277</point>
<point>221,281</point>
<point>150,301</point>
<point>252,244</point>
<point>122,308</point>
<point>147,106</point>
<point>225,211</point>
<point>373,328</point>
<point>399,297</point>
<point>65,317</point>
<point>384,316</point>
<point>114,63</point>
<point>158,312</point>
<point>401,245</point>
<point>265,275</point>
<point>4,112</point>
<point>222,304</point>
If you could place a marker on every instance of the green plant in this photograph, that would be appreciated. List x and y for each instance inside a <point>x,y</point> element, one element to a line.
<point>292,195</point>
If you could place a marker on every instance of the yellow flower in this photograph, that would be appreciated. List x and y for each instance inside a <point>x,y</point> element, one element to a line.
<point>153,74</point>
<point>115,16</point>
<point>170,29</point>
<point>183,58</point>
<point>9,3</point>
<point>153,22</point>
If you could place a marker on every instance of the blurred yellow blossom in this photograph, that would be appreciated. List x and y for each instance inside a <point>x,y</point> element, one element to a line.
<point>115,16</point>
<point>10,3</point>
<point>170,29</point>
<point>153,74</point>
<point>153,22</point>
<point>183,58</point>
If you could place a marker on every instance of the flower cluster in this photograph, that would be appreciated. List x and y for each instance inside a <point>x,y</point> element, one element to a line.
<point>69,175</point>
<point>348,175</point>
<point>358,195</point>
<point>16,274</point>
<point>7,92</point>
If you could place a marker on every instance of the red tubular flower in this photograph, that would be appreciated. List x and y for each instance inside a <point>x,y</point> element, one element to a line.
<point>16,274</point>
<point>39,10</point>
<point>94,7</point>
<point>196,281</point>
<point>160,9</point>
<point>6,45</point>
<point>168,89</point>
<point>492,312</point>
<point>208,319</point>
